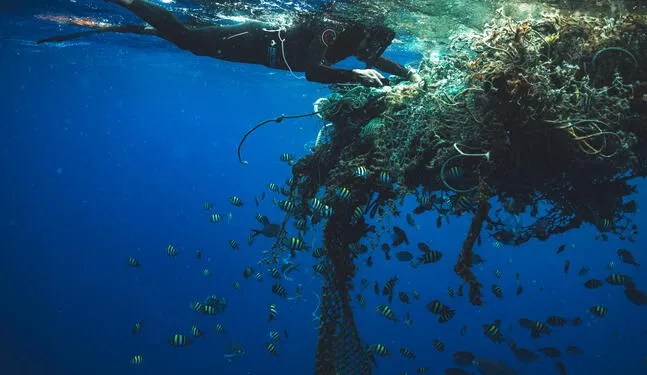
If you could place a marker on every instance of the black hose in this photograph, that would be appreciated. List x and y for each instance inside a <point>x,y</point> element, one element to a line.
<point>277,120</point>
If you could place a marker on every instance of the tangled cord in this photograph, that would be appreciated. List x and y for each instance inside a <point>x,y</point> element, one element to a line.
<point>461,154</point>
<point>594,61</point>
<point>282,39</point>
<point>317,317</point>
<point>277,120</point>
<point>591,131</point>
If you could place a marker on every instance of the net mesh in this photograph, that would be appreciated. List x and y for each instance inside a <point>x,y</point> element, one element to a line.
<point>541,117</point>
<point>339,350</point>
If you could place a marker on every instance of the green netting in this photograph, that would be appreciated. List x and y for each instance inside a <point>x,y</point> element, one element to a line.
<point>544,115</point>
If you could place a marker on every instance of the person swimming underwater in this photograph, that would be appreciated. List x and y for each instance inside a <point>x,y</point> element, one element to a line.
<point>312,45</point>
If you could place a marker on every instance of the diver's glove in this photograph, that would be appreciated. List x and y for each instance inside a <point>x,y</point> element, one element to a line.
<point>370,77</point>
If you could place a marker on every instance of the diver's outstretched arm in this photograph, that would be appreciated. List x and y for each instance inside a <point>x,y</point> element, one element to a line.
<point>390,67</point>
<point>124,29</point>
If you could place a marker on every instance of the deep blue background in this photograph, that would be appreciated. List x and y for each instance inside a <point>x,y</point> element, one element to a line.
<point>110,145</point>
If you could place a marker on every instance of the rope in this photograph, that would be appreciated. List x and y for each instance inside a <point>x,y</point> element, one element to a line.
<point>277,120</point>
<point>283,39</point>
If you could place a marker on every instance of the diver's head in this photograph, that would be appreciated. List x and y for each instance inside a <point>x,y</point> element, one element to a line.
<point>376,40</point>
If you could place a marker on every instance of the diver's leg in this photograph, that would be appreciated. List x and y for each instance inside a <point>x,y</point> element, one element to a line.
<point>165,22</point>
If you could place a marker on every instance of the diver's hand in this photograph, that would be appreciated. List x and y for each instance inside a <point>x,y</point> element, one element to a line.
<point>370,77</point>
<point>414,76</point>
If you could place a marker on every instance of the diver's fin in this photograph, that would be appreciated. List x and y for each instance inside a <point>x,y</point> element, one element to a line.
<point>124,29</point>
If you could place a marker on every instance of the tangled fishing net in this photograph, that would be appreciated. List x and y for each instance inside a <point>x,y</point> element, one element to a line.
<point>545,117</point>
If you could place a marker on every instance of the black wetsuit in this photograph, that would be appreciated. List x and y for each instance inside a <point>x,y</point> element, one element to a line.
<point>310,46</point>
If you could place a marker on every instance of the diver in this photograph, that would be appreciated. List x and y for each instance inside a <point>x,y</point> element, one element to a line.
<point>311,45</point>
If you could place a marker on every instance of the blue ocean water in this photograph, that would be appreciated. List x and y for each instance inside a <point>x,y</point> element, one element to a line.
<point>110,146</point>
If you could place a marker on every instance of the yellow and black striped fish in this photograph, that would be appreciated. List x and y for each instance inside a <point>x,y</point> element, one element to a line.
<point>262,219</point>
<point>274,335</point>
<point>294,243</point>
<point>171,250</point>
<point>538,329</point>
<point>215,218</point>
<point>492,332</point>
<point>207,206</point>
<point>279,290</point>
<point>497,291</point>
<point>380,350</point>
<point>208,310</point>
<point>318,252</point>
<point>137,360</point>
<point>461,202</point>
<point>388,287</point>
<point>446,316</point>
<point>320,268</point>
<point>556,321</point>
<point>220,328</point>
<point>235,201</point>
<point>274,187</point>
<point>454,172</point>
<point>316,204</point>
<point>286,206</point>
<point>320,207</point>
<point>274,312</point>
<point>233,244</point>
<point>343,193</point>
<point>386,312</point>
<point>275,273</point>
<point>196,306</point>
<point>618,279</point>
<point>133,262</point>
<point>384,177</point>
<point>361,171</point>
<point>406,353</point>
<point>599,311</point>
<point>358,214</point>
<point>178,340</point>
<point>137,327</point>
<point>593,284</point>
<point>196,331</point>
<point>301,224</point>
<point>431,256</point>
<point>271,348</point>
<point>439,346</point>
<point>287,158</point>
<point>326,211</point>
<point>438,308</point>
